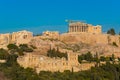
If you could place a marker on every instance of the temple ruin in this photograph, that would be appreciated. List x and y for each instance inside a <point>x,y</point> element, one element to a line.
<point>84,27</point>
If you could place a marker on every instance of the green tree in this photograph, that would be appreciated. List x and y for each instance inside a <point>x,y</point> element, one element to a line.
<point>111,31</point>
<point>56,53</point>
<point>12,60</point>
<point>113,58</point>
<point>20,52</point>
<point>102,58</point>
<point>12,47</point>
<point>114,44</point>
<point>88,57</point>
<point>80,58</point>
<point>3,53</point>
<point>25,48</point>
<point>96,58</point>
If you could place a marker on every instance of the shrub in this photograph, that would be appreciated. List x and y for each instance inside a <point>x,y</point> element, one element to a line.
<point>12,46</point>
<point>114,44</point>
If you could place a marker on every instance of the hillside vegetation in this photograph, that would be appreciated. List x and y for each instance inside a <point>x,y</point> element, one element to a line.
<point>12,70</point>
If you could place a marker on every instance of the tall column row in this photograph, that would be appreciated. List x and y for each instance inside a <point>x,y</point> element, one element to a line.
<point>77,28</point>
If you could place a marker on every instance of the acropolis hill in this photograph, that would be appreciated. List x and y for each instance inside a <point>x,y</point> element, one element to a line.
<point>80,38</point>
<point>86,36</point>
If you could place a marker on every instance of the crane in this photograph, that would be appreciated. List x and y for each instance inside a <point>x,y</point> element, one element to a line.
<point>73,21</point>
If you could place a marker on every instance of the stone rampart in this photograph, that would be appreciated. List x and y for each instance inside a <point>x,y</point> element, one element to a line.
<point>90,38</point>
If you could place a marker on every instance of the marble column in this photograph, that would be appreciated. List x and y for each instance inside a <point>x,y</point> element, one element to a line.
<point>80,28</point>
<point>70,28</point>
<point>74,29</point>
<point>83,28</point>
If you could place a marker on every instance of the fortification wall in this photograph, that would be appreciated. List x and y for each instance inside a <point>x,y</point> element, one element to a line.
<point>50,35</point>
<point>5,39</point>
<point>21,37</point>
<point>43,63</point>
<point>89,38</point>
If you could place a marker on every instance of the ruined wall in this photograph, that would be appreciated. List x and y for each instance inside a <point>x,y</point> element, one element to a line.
<point>90,38</point>
<point>43,63</point>
<point>5,39</point>
<point>28,60</point>
<point>84,28</point>
<point>21,37</point>
<point>50,35</point>
<point>95,29</point>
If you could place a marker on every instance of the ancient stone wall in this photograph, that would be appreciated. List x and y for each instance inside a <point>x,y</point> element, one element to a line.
<point>5,39</point>
<point>84,28</point>
<point>43,63</point>
<point>90,38</point>
<point>50,35</point>
<point>95,29</point>
<point>21,37</point>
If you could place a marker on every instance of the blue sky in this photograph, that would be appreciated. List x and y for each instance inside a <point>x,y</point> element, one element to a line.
<point>40,15</point>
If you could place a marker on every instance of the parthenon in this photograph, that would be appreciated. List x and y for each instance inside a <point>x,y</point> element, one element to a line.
<point>83,27</point>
